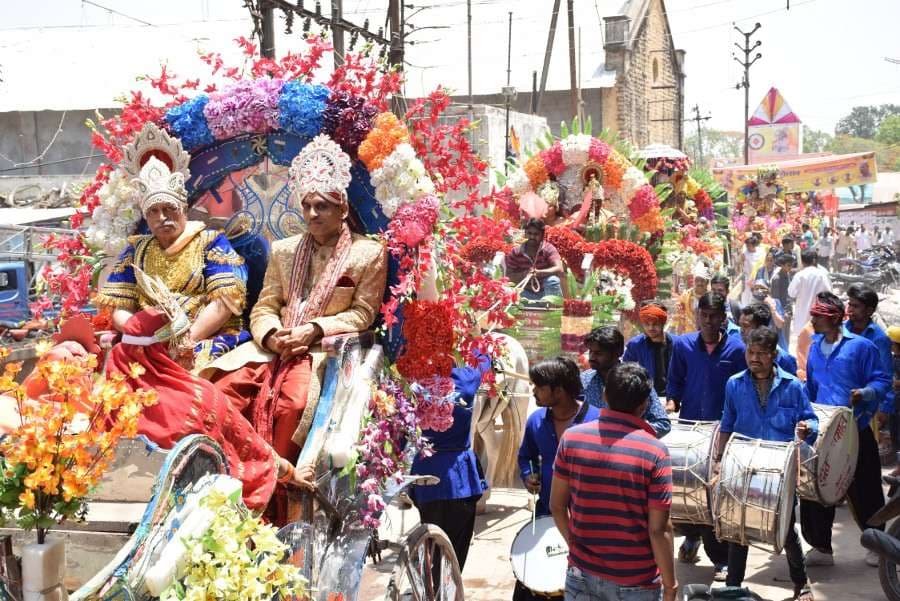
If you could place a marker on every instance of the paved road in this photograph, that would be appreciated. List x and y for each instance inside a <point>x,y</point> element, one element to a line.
<point>488,576</point>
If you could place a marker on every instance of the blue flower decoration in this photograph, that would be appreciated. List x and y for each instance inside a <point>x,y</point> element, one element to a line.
<point>173,529</point>
<point>189,124</point>
<point>301,106</point>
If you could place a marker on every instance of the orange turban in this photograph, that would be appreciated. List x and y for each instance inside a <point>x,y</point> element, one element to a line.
<point>652,313</point>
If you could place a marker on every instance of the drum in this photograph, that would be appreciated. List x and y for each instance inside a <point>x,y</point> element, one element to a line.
<point>754,496</point>
<point>539,560</point>
<point>827,468</point>
<point>691,446</point>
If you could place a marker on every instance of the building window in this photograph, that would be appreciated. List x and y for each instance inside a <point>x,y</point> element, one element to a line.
<point>655,70</point>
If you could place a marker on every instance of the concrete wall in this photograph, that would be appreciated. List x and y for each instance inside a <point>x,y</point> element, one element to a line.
<point>24,135</point>
<point>489,136</point>
<point>556,106</point>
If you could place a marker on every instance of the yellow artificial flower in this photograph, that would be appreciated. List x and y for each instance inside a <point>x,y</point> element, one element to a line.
<point>27,498</point>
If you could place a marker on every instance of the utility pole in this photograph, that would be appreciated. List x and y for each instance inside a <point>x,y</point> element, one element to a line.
<point>337,32</point>
<point>699,120</point>
<point>550,37</point>
<point>469,26</point>
<point>509,93</point>
<point>267,43</point>
<point>573,71</point>
<point>745,83</point>
<point>395,56</point>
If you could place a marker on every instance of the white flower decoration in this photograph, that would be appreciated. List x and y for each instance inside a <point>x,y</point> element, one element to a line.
<point>116,217</point>
<point>401,180</point>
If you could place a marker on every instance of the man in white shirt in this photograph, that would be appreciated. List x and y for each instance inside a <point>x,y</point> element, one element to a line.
<point>863,239</point>
<point>889,236</point>
<point>806,284</point>
<point>825,249</point>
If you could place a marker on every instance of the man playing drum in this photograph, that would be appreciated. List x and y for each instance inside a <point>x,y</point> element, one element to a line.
<point>612,486</point>
<point>844,369</point>
<point>701,364</point>
<point>557,386</point>
<point>766,402</point>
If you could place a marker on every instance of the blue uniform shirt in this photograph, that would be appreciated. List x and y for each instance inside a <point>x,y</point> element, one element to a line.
<point>786,406</point>
<point>453,460</point>
<point>697,378</point>
<point>786,362</point>
<point>642,351</point>
<point>538,450</point>
<point>853,364</point>
<point>874,334</point>
<point>655,414</point>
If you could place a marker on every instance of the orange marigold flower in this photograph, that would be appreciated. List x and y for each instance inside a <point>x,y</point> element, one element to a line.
<point>535,170</point>
<point>386,134</point>
<point>614,170</point>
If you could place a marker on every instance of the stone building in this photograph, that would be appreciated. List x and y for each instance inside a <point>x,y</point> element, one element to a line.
<point>637,89</point>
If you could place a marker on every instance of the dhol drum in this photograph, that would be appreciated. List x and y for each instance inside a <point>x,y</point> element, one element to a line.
<point>539,558</point>
<point>754,496</point>
<point>827,467</point>
<point>691,446</point>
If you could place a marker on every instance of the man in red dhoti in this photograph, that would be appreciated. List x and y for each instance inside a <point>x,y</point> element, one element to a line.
<point>325,282</point>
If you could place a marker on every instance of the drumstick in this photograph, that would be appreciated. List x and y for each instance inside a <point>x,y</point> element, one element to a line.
<point>533,499</point>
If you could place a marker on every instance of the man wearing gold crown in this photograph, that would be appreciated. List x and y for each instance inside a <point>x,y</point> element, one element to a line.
<point>195,263</point>
<point>325,282</point>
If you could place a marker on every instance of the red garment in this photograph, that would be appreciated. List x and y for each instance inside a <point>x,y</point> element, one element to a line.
<point>242,388</point>
<point>188,405</point>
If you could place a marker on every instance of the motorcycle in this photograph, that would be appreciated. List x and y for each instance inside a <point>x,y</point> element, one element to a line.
<point>887,543</point>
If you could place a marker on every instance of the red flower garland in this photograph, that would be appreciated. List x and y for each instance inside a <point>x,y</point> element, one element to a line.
<point>428,330</point>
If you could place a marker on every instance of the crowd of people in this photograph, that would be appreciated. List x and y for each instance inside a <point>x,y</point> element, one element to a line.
<point>595,451</point>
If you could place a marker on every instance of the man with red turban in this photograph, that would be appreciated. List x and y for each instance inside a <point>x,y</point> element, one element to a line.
<point>653,348</point>
<point>844,369</point>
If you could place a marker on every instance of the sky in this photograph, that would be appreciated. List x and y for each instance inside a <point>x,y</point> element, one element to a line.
<point>825,56</point>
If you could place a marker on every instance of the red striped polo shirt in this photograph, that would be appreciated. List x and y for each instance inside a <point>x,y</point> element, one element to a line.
<point>616,470</point>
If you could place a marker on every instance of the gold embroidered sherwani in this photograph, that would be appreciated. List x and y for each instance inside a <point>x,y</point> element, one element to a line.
<point>199,267</point>
<point>352,308</point>
<point>685,320</point>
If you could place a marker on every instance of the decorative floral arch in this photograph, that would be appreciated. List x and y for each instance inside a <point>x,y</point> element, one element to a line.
<point>564,160</point>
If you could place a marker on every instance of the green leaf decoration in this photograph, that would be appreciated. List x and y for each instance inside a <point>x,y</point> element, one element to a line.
<point>563,130</point>
<point>576,125</point>
<point>589,126</point>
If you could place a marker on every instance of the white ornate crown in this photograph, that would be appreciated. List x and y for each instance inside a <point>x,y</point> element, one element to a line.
<point>158,166</point>
<point>320,167</point>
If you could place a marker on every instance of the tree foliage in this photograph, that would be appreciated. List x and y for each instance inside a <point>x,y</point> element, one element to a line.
<point>717,144</point>
<point>815,140</point>
<point>889,130</point>
<point>864,121</point>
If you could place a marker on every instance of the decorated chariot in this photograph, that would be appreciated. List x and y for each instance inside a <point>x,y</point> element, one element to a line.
<point>235,151</point>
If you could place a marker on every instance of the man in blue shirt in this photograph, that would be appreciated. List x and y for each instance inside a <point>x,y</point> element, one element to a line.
<point>652,350</point>
<point>701,364</point>
<point>557,386</point>
<point>862,301</point>
<point>605,348</point>
<point>844,369</point>
<point>757,315</point>
<point>766,402</point>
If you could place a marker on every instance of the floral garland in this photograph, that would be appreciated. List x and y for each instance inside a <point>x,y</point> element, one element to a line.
<point>621,256</point>
<point>115,217</point>
<point>577,150</point>
<point>428,331</point>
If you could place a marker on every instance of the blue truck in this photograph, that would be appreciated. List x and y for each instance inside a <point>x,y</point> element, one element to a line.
<point>13,293</point>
